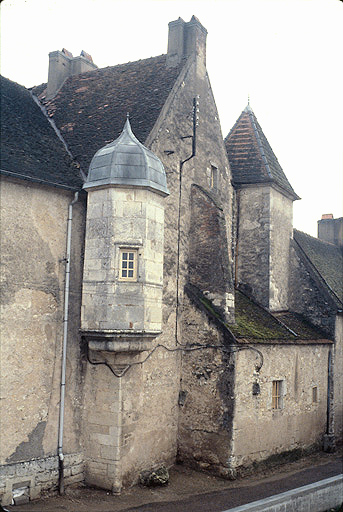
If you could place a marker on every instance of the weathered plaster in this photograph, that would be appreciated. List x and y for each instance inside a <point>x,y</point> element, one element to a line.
<point>260,431</point>
<point>33,238</point>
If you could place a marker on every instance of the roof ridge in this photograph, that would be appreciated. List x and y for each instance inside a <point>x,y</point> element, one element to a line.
<point>258,139</point>
<point>88,73</point>
<point>324,242</point>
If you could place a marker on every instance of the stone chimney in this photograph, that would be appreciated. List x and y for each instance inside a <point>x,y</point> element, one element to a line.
<point>185,39</point>
<point>62,64</point>
<point>330,229</point>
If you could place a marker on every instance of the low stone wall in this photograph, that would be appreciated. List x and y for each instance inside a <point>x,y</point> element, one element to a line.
<point>39,475</point>
<point>316,497</point>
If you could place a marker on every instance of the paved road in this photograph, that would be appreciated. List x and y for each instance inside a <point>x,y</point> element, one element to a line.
<point>229,498</point>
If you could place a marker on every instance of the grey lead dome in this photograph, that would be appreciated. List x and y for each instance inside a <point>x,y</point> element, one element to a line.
<point>125,162</point>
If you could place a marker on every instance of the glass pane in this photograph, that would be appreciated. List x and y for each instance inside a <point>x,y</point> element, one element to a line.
<point>130,273</point>
<point>124,273</point>
<point>124,255</point>
<point>130,264</point>
<point>124,264</point>
<point>131,256</point>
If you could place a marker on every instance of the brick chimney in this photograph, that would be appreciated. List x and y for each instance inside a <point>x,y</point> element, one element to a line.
<point>62,64</point>
<point>185,39</point>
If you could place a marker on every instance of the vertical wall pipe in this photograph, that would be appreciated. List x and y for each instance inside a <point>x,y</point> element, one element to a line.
<point>64,347</point>
<point>329,437</point>
<point>195,120</point>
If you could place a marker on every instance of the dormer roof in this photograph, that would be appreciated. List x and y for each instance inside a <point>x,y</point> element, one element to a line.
<point>252,160</point>
<point>125,162</point>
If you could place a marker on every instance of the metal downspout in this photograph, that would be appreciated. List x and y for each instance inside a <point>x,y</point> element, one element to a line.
<point>329,437</point>
<point>195,111</point>
<point>64,348</point>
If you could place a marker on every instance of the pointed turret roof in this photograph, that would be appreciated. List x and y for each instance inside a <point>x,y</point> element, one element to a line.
<point>251,157</point>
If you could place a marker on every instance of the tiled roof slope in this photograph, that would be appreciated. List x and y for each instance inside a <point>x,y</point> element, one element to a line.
<point>30,148</point>
<point>254,324</point>
<point>327,261</point>
<point>251,158</point>
<point>90,109</point>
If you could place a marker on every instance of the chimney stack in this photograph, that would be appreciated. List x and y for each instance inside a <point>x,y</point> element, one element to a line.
<point>185,39</point>
<point>330,229</point>
<point>62,65</point>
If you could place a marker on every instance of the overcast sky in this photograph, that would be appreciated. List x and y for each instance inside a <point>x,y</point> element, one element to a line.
<point>285,54</point>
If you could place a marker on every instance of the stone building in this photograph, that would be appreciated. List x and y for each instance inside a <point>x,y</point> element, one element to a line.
<point>149,305</point>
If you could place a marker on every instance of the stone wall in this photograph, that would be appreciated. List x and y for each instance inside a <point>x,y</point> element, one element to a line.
<point>253,242</point>
<point>338,380</point>
<point>259,431</point>
<point>39,475</point>
<point>206,399</point>
<point>33,239</point>
<point>281,232</point>
<point>209,265</point>
<point>265,218</point>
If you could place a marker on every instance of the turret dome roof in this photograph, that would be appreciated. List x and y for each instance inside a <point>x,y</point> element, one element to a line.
<point>125,162</point>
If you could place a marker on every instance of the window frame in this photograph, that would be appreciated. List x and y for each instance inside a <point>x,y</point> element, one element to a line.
<point>127,260</point>
<point>277,394</point>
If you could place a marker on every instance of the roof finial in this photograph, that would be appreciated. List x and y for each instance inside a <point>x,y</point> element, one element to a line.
<point>248,100</point>
<point>127,115</point>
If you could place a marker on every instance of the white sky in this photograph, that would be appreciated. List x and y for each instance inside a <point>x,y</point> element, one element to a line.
<point>285,54</point>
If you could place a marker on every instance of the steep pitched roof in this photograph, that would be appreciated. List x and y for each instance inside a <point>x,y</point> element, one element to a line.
<point>30,148</point>
<point>326,261</point>
<point>251,158</point>
<point>255,324</point>
<point>90,109</point>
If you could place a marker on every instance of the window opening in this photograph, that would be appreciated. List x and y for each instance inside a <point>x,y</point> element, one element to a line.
<point>314,394</point>
<point>214,177</point>
<point>128,265</point>
<point>277,394</point>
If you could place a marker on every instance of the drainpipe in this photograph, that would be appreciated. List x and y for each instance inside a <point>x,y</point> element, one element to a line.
<point>64,348</point>
<point>195,111</point>
<point>329,437</point>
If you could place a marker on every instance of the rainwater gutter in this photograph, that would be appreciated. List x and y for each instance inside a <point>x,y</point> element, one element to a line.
<point>64,348</point>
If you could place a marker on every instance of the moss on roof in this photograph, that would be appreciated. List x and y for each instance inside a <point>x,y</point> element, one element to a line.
<point>255,324</point>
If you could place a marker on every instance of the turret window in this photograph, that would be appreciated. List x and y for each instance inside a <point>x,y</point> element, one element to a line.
<point>128,265</point>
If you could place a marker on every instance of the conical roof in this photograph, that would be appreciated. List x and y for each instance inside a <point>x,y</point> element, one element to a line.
<point>125,162</point>
<point>251,157</point>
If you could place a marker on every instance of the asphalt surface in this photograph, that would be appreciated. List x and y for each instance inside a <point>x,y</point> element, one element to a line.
<point>229,498</point>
